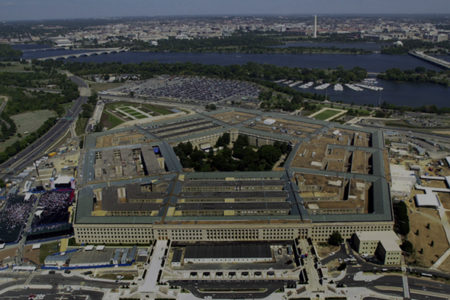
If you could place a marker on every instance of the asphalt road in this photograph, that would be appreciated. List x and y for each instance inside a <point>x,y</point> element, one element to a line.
<point>55,279</point>
<point>53,294</point>
<point>396,281</point>
<point>365,266</point>
<point>40,278</point>
<point>35,150</point>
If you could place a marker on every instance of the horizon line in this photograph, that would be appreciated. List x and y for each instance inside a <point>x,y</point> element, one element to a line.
<point>226,15</point>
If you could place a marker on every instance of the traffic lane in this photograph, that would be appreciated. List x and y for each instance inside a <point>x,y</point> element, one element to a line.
<point>57,279</point>
<point>78,81</point>
<point>396,281</point>
<point>7,274</point>
<point>436,273</point>
<point>53,294</point>
<point>12,283</point>
<point>428,285</point>
<point>385,280</point>
<point>400,294</point>
<point>414,283</point>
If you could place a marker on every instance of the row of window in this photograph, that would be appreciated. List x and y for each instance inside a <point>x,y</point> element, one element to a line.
<point>112,235</point>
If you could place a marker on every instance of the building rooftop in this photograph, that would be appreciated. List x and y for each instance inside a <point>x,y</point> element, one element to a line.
<point>241,250</point>
<point>230,190</point>
<point>377,236</point>
<point>429,200</point>
<point>235,206</point>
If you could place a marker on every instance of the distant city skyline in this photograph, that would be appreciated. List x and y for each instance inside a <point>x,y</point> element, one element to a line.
<point>71,9</point>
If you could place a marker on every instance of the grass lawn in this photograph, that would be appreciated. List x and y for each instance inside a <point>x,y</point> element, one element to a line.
<point>158,109</point>
<point>109,121</point>
<point>132,112</point>
<point>148,108</point>
<point>81,125</point>
<point>27,123</point>
<point>328,113</point>
<point>46,250</point>
<point>32,120</point>
<point>15,67</point>
<point>136,114</point>
<point>422,240</point>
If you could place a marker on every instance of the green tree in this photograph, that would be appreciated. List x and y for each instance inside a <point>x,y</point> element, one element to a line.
<point>335,239</point>
<point>401,218</point>
<point>269,153</point>
<point>224,140</point>
<point>407,246</point>
<point>211,106</point>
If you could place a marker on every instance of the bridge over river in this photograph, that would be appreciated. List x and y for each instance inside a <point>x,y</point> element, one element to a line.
<point>434,60</point>
<point>89,52</point>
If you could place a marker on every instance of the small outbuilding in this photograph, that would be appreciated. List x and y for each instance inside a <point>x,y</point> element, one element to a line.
<point>427,200</point>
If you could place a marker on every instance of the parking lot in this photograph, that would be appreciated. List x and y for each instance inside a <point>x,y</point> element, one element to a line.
<point>190,88</point>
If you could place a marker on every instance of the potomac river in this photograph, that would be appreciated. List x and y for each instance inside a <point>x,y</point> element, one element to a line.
<point>404,93</point>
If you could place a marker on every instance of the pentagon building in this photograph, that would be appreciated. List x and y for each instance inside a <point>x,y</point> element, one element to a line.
<point>133,188</point>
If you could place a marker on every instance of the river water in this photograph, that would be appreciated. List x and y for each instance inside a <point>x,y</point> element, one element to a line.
<point>412,94</point>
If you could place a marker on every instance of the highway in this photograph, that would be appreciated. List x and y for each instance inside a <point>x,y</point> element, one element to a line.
<point>431,59</point>
<point>35,150</point>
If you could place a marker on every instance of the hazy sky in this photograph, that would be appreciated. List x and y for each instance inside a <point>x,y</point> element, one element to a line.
<point>60,9</point>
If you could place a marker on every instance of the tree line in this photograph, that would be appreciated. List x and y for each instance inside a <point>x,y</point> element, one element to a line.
<point>409,45</point>
<point>419,74</point>
<point>9,53</point>
<point>21,100</point>
<point>255,42</point>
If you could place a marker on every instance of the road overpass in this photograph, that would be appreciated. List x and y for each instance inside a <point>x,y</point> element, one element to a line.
<point>433,60</point>
<point>85,54</point>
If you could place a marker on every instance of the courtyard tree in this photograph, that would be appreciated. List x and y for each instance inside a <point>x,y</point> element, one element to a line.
<point>335,239</point>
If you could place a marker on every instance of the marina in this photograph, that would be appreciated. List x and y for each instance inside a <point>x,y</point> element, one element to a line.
<point>307,85</point>
<point>295,83</point>
<point>322,86</point>
<point>353,87</point>
<point>338,87</point>
<point>369,87</point>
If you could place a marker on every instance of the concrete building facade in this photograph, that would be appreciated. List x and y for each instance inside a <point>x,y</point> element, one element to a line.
<point>383,245</point>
